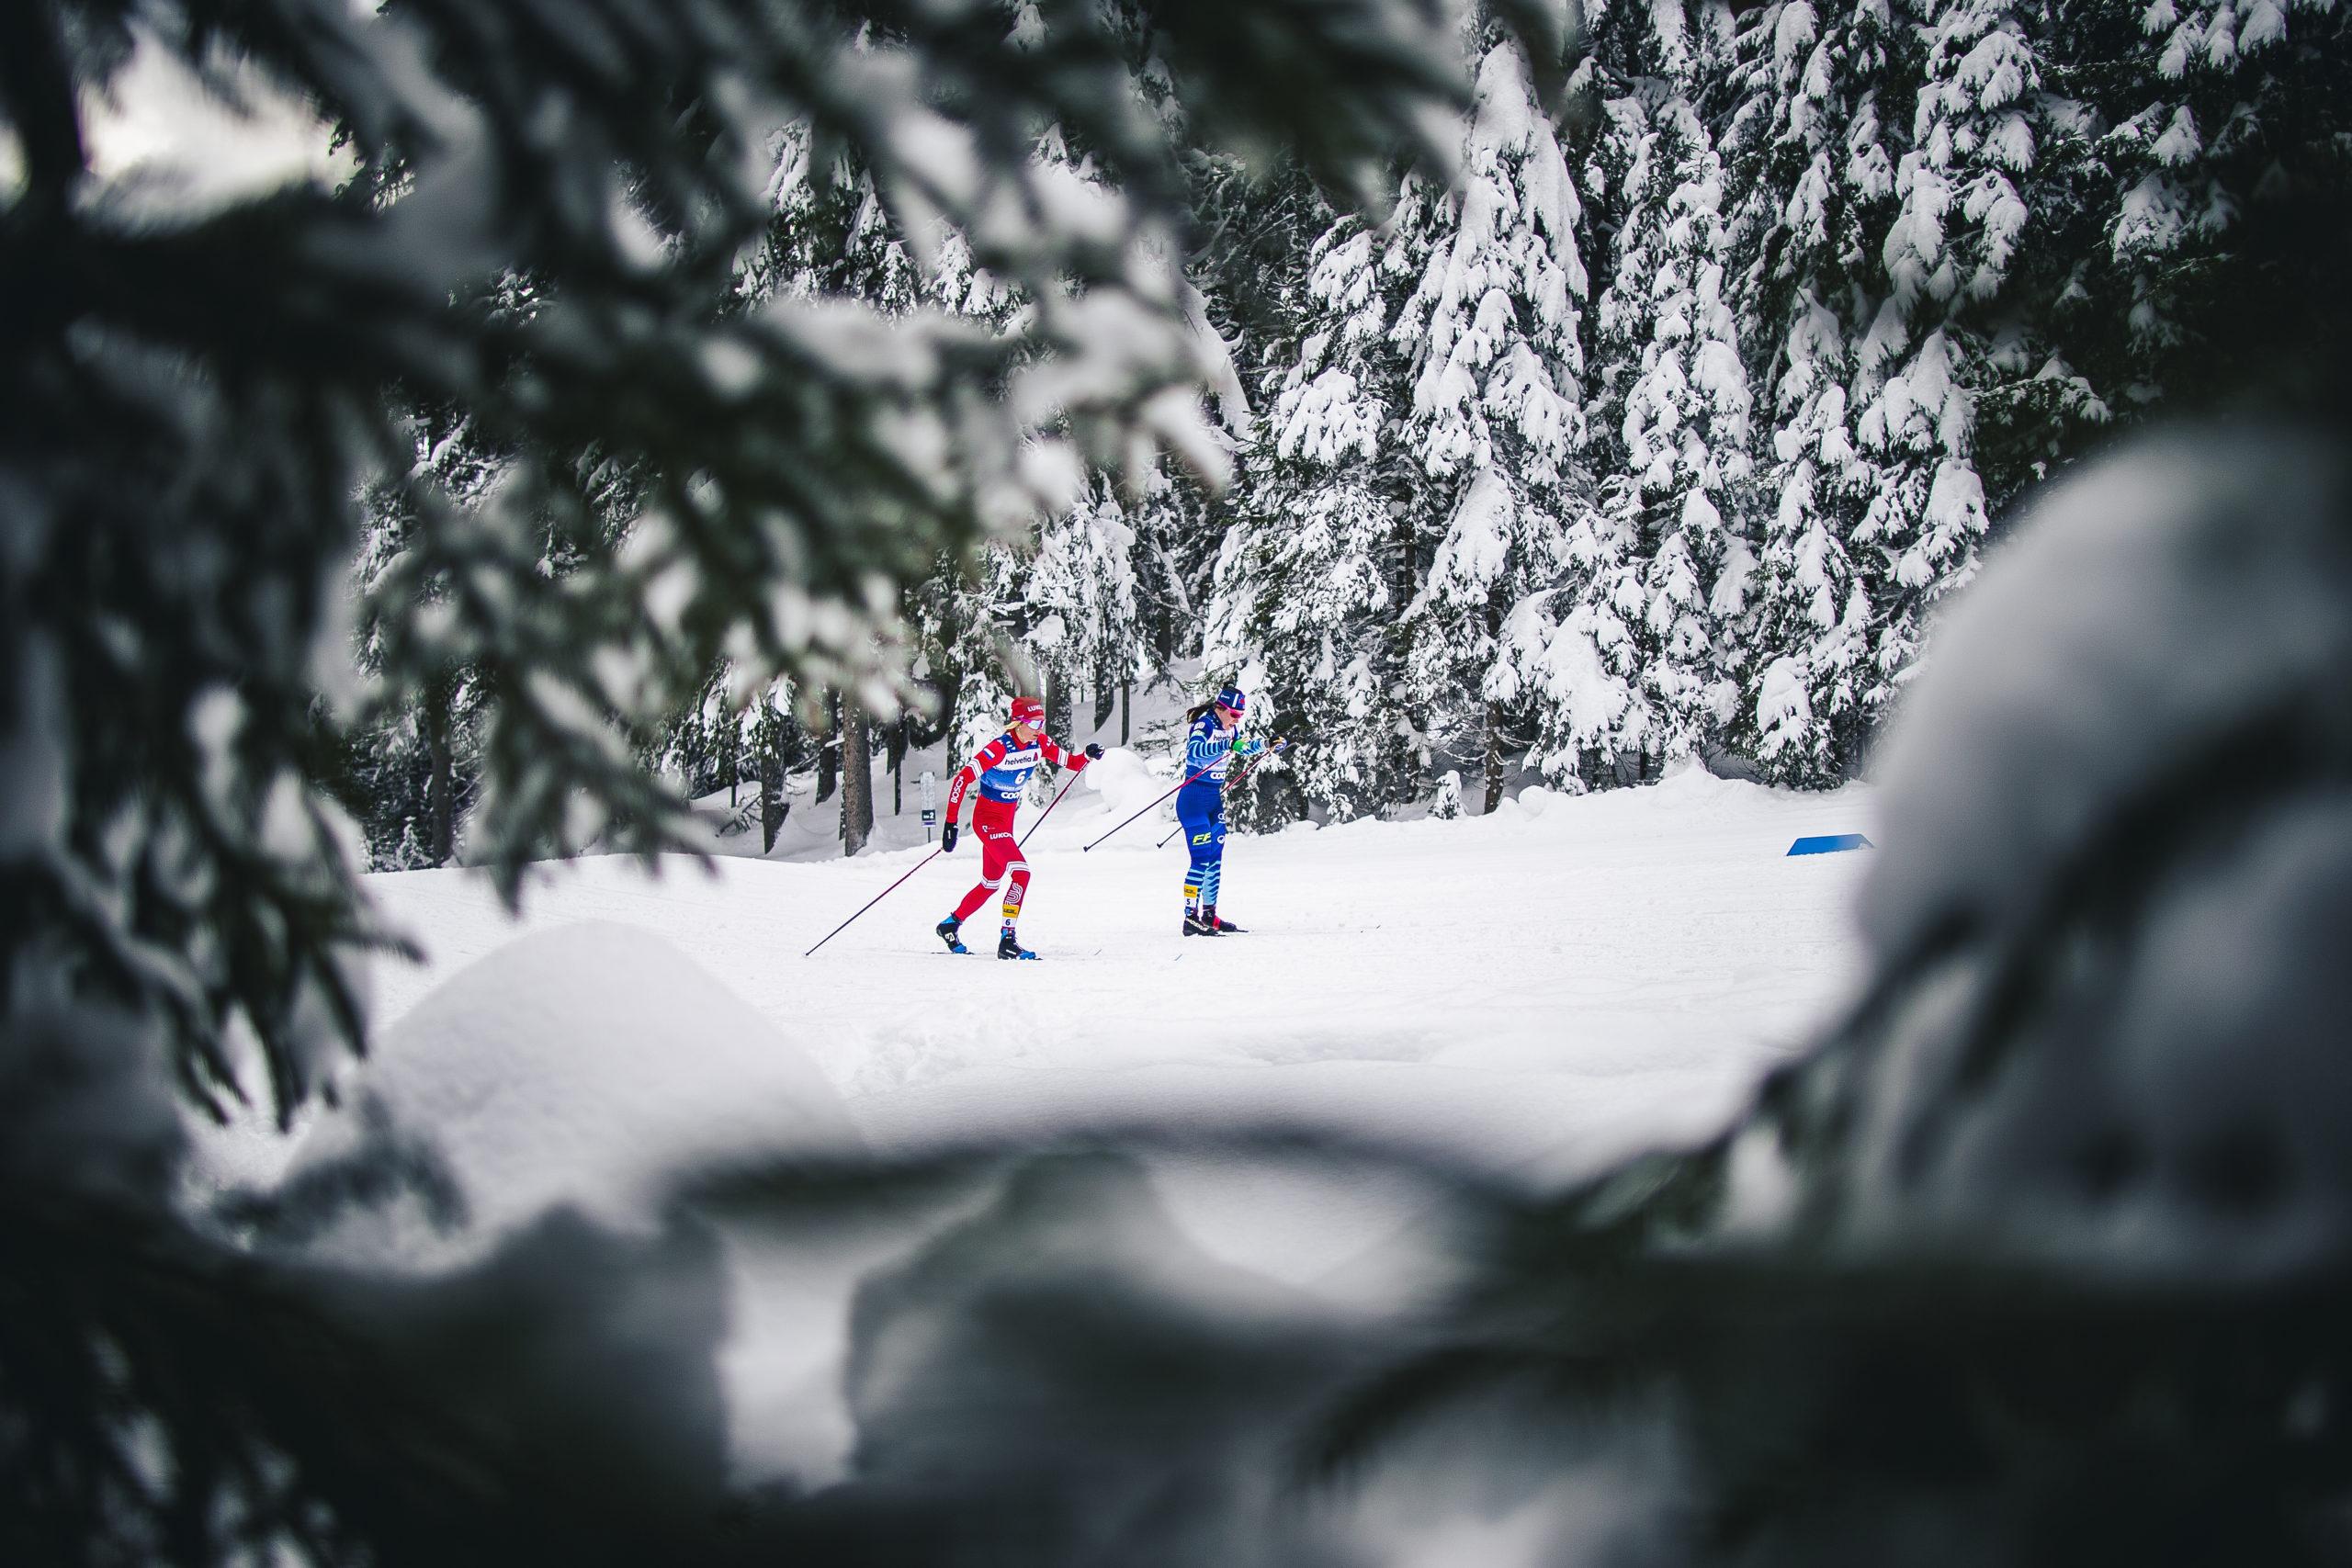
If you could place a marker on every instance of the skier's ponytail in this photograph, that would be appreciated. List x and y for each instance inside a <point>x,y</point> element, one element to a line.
<point>1193,715</point>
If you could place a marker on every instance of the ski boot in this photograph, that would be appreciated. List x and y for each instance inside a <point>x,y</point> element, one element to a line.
<point>1218,926</point>
<point>1200,922</point>
<point>1006,947</point>
<point>951,932</point>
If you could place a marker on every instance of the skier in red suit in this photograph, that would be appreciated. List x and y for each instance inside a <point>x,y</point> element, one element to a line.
<point>1001,769</point>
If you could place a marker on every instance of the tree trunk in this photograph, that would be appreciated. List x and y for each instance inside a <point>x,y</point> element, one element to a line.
<point>898,744</point>
<point>1127,707</point>
<point>829,750</point>
<point>734,758</point>
<point>440,791</point>
<point>774,808</point>
<point>857,777</point>
<point>1103,698</point>
<point>1494,715</point>
<point>1493,757</point>
<point>1406,764</point>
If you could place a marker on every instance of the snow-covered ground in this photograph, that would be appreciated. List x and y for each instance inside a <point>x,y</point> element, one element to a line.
<point>1538,991</point>
<point>1544,987</point>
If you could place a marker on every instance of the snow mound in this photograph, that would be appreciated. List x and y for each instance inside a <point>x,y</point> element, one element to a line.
<point>1126,783</point>
<point>578,1066</point>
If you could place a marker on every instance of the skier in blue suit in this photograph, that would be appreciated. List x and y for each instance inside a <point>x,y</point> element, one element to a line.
<point>1209,747</point>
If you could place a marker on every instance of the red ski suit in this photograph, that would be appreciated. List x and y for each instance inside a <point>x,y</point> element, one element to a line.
<point>1001,769</point>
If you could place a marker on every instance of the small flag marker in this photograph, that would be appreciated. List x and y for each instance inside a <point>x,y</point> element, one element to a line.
<point>1830,843</point>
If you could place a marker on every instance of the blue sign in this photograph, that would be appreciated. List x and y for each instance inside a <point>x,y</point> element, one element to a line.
<point>1830,844</point>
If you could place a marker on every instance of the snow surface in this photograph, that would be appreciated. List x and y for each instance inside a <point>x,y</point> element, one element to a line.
<point>575,1065</point>
<point>1508,984</point>
<point>1537,992</point>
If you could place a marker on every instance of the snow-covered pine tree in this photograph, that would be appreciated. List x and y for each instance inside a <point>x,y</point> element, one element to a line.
<point>1568,656</point>
<point>416,753</point>
<point>1889,166</point>
<point>1665,570</point>
<point>741,739</point>
<point>190,396</point>
<point>1079,594</point>
<point>1812,148</point>
<point>832,239</point>
<point>1947,334</point>
<point>1425,405</point>
<point>952,618</point>
<point>1307,585</point>
<point>1493,333</point>
<point>412,759</point>
<point>2206,110</point>
<point>1054,605</point>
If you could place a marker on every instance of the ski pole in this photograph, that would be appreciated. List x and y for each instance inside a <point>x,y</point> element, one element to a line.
<point>876,899</point>
<point>1246,768</point>
<point>1048,812</point>
<point>1154,805</point>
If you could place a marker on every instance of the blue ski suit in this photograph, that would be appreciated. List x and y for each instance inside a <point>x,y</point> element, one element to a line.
<point>1209,750</point>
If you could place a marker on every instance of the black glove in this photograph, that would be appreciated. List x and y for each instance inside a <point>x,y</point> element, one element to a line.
<point>947,839</point>
<point>1093,751</point>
